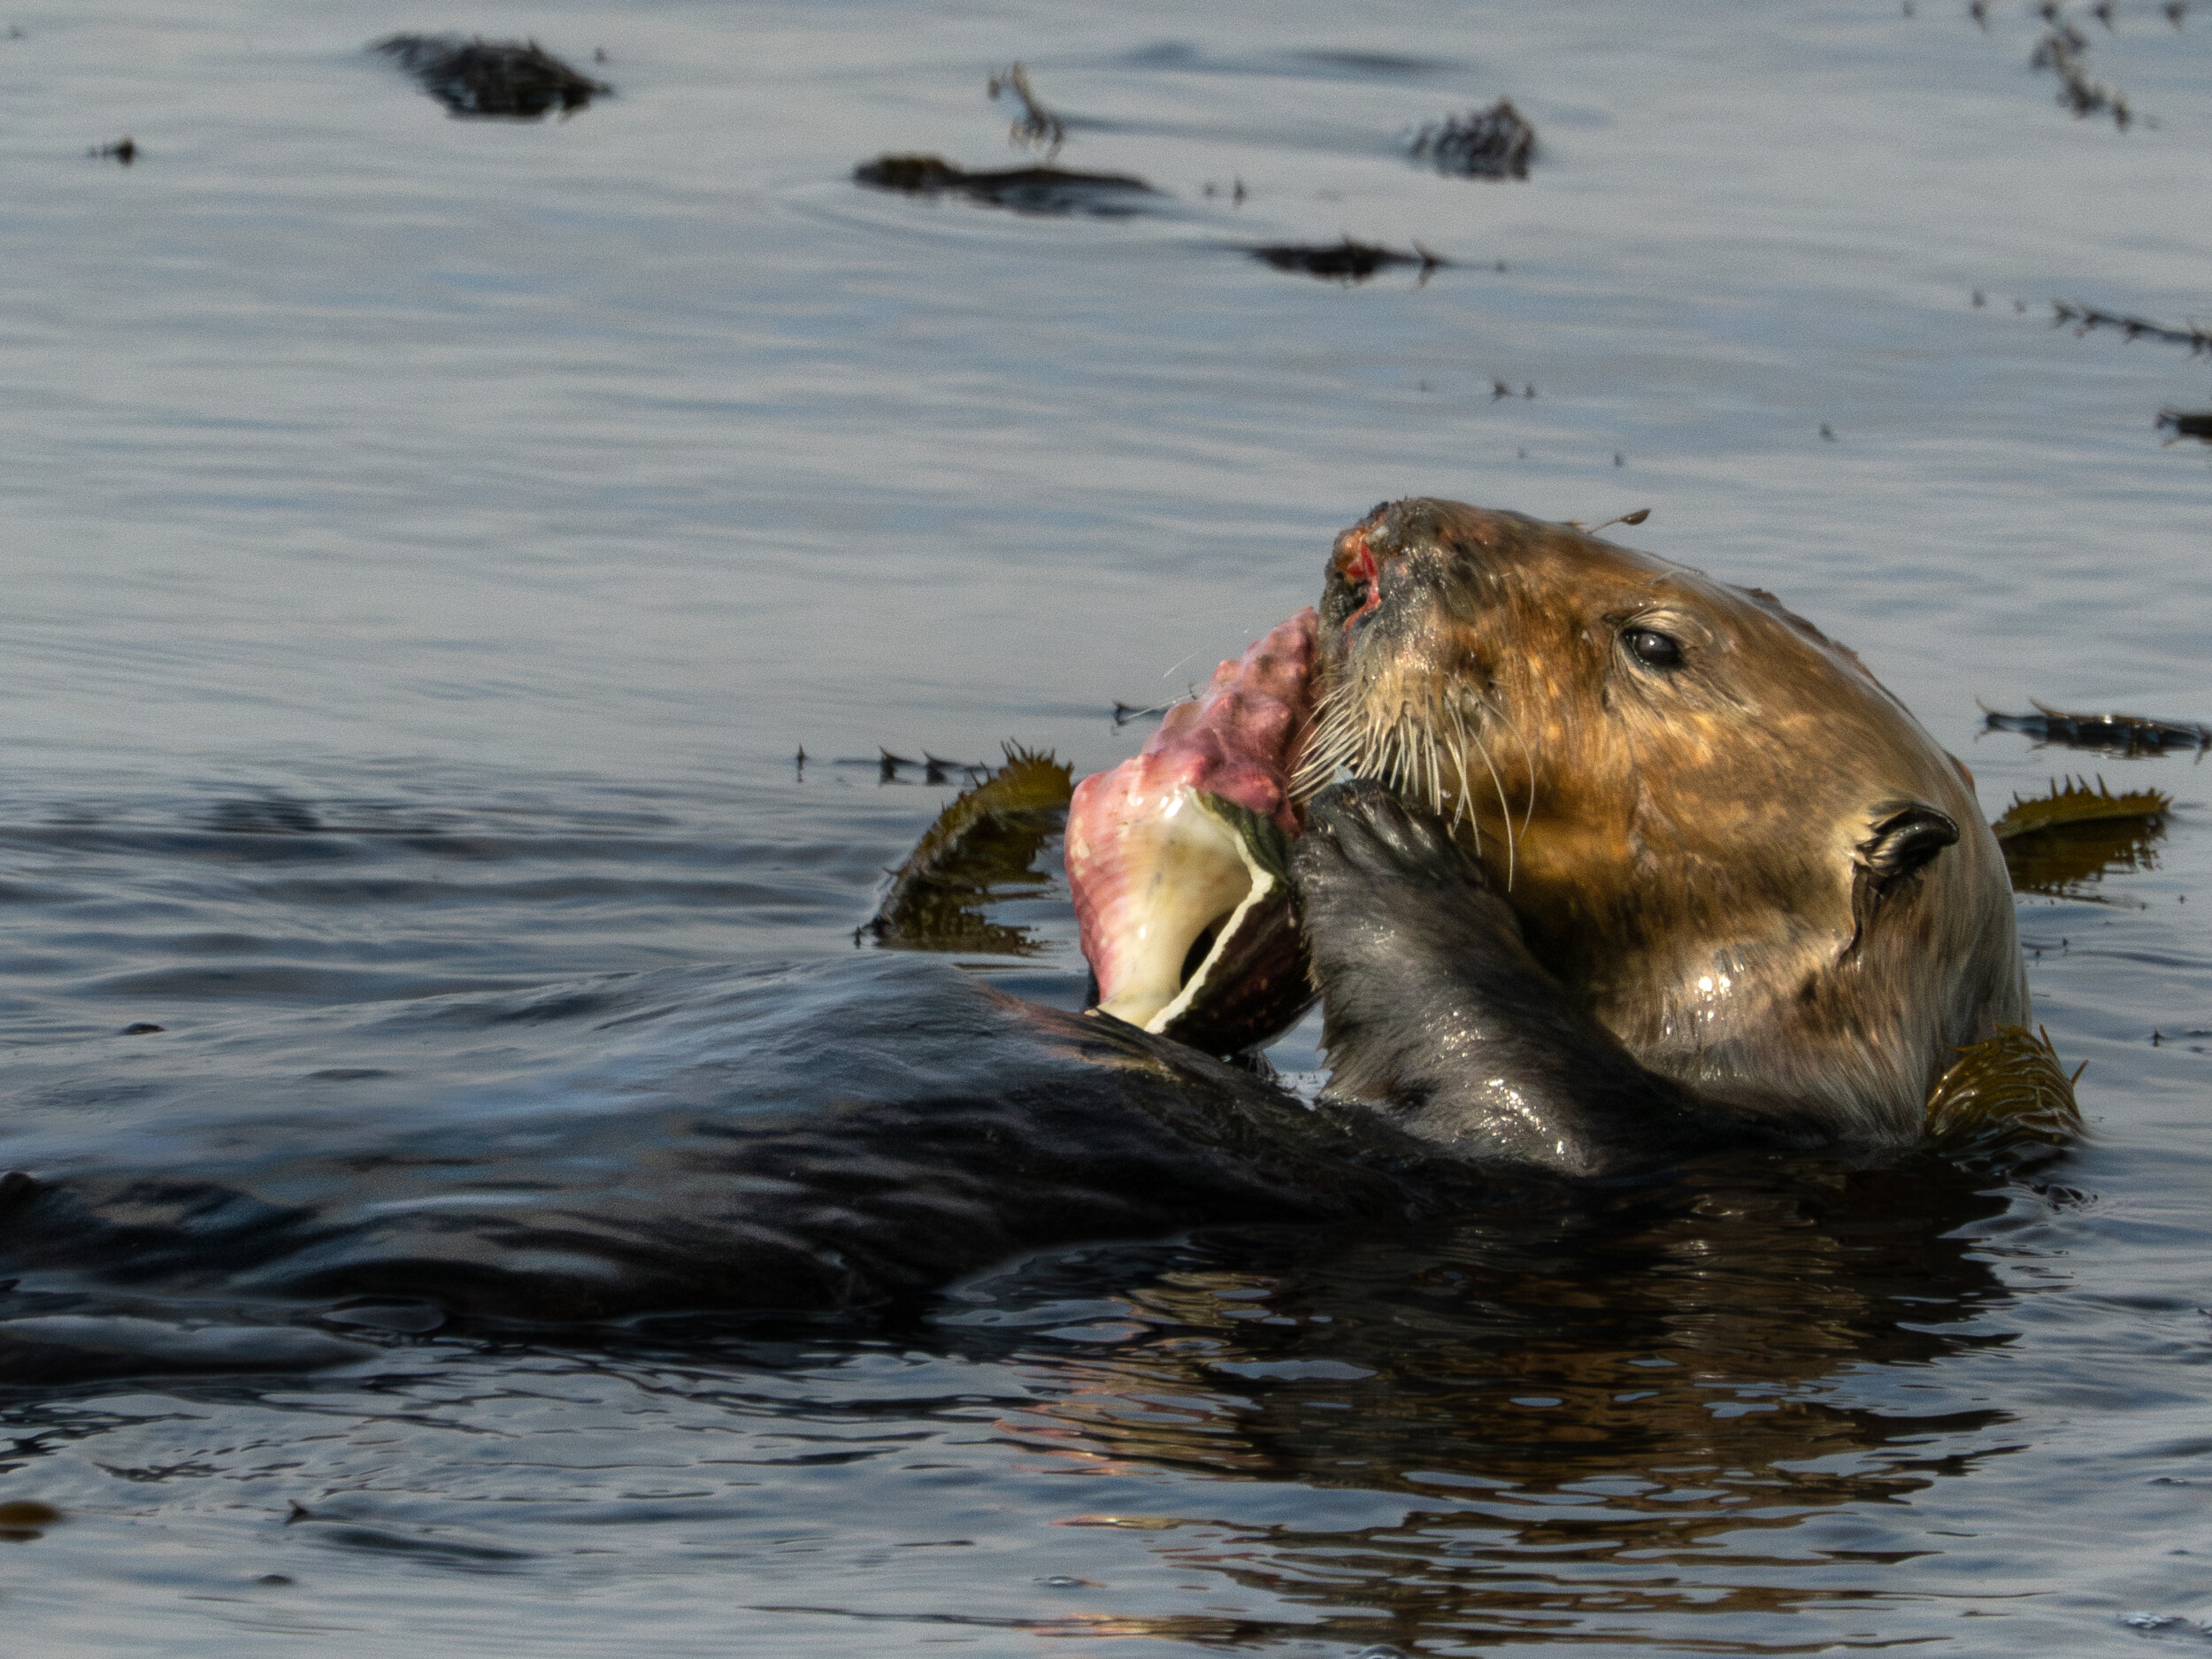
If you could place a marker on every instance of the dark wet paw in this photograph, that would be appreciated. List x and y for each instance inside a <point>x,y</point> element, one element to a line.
<point>1360,833</point>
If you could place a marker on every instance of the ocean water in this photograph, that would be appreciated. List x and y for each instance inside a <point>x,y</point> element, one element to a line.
<point>430,544</point>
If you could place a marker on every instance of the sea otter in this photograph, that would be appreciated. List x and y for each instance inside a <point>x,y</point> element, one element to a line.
<point>1630,867</point>
<point>1637,861</point>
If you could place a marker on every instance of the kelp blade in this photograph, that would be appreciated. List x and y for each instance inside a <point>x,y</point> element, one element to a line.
<point>985,843</point>
<point>2005,1091</point>
<point>2074,801</point>
<point>2055,842</point>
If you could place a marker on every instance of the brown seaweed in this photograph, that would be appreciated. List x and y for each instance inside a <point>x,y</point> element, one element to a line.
<point>2074,803</point>
<point>2187,424</point>
<point>513,80</point>
<point>1494,143</point>
<point>2058,843</point>
<point>981,846</point>
<point>1348,261</point>
<point>2007,1090</point>
<point>1020,189</point>
<point>2115,733</point>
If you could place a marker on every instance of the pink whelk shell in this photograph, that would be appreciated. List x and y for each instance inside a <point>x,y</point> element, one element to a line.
<point>1183,845</point>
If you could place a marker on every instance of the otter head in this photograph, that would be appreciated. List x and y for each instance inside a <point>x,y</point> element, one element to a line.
<point>1727,841</point>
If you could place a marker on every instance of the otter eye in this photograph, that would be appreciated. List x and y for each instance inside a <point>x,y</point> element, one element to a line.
<point>1652,648</point>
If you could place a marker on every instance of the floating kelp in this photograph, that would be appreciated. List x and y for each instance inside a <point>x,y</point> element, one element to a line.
<point>2055,843</point>
<point>1493,143</point>
<point>1038,127</point>
<point>983,843</point>
<point>2086,318</point>
<point>891,768</point>
<point>1348,261</point>
<point>1022,189</point>
<point>2118,733</point>
<point>123,150</point>
<point>2074,803</point>
<point>519,80</point>
<point>2006,1091</point>
<point>2064,51</point>
<point>2186,424</point>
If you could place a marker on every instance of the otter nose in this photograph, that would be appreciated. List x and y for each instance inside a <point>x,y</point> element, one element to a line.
<point>1355,557</point>
<point>1357,562</point>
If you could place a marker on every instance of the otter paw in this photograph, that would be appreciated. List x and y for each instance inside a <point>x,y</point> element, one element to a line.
<point>1384,892</point>
<point>1361,832</point>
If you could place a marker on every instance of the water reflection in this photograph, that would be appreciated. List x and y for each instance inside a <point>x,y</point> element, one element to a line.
<point>1597,1403</point>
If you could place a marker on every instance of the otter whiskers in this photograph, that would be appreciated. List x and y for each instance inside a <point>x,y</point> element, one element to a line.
<point>1413,753</point>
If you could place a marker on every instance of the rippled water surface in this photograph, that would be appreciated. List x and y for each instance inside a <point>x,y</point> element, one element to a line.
<point>430,542</point>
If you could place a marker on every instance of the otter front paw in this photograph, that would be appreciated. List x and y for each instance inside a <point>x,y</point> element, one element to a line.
<point>1362,831</point>
<point>1381,884</point>
<point>1395,914</point>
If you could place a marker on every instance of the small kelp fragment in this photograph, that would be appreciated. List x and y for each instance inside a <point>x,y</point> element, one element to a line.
<point>517,79</point>
<point>1493,143</point>
<point>1177,858</point>
<point>2186,424</point>
<point>2074,801</point>
<point>2123,734</point>
<point>1346,262</point>
<point>1038,127</point>
<point>124,149</point>
<point>1022,189</point>
<point>2088,319</point>
<point>2064,51</point>
<point>2008,1089</point>
<point>985,840</point>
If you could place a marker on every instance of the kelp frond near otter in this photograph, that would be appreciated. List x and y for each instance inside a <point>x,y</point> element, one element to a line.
<point>2006,1091</point>
<point>2054,843</point>
<point>2074,801</point>
<point>985,840</point>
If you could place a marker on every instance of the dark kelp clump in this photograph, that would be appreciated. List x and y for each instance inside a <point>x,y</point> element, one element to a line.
<point>2055,842</point>
<point>1494,143</point>
<point>2117,734</point>
<point>980,846</point>
<point>2186,424</point>
<point>519,80</point>
<point>1021,190</point>
<point>1346,262</point>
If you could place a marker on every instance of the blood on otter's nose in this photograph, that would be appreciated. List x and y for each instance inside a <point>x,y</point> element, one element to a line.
<point>1354,561</point>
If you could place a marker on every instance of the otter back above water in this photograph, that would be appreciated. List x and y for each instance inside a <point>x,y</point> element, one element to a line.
<point>820,1138</point>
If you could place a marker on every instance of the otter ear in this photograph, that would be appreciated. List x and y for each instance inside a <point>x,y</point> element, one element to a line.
<point>1906,834</point>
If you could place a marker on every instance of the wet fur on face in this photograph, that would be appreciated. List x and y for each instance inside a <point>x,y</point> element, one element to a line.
<point>1729,844</point>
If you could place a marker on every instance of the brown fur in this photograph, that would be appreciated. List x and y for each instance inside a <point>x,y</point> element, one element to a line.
<point>1696,850</point>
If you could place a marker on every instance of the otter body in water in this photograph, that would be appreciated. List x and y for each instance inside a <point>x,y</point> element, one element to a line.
<point>1633,866</point>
